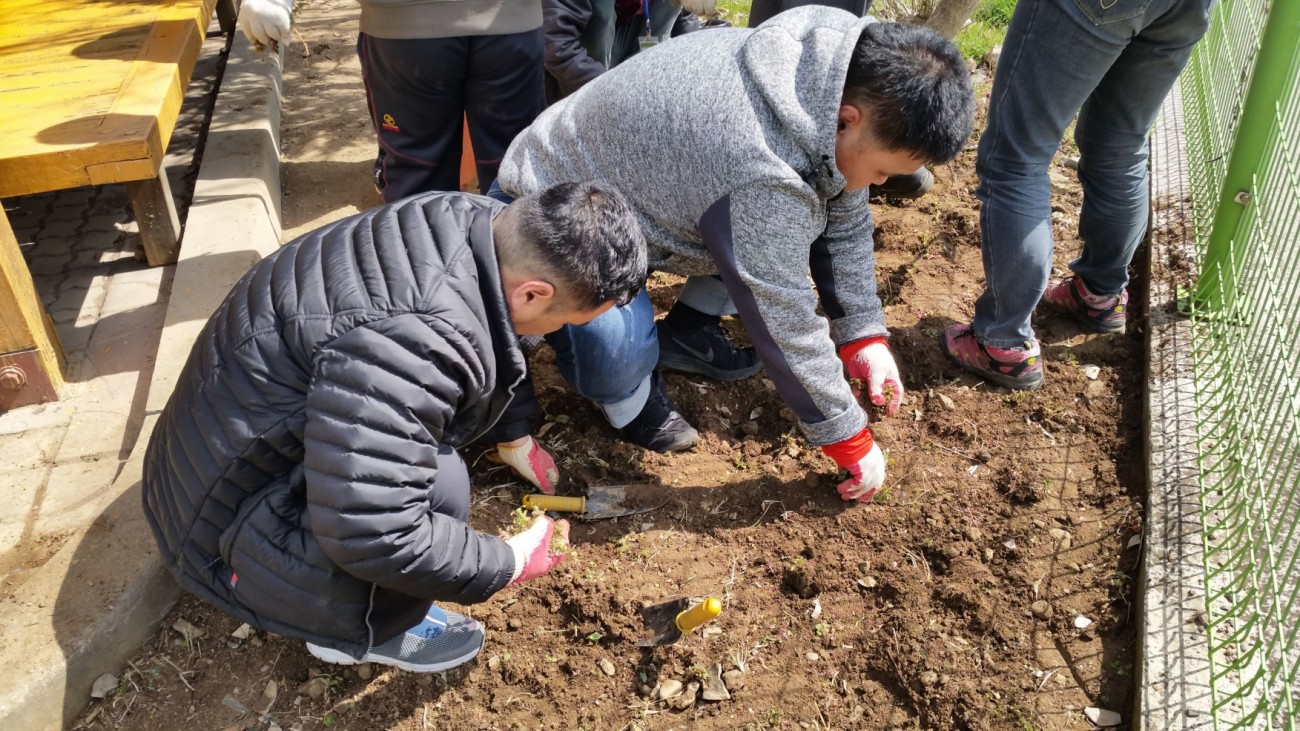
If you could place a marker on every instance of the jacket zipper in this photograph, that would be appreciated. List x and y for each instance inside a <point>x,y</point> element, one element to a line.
<point>370,631</point>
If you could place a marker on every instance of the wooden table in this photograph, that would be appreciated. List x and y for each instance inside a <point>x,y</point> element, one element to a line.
<point>89,94</point>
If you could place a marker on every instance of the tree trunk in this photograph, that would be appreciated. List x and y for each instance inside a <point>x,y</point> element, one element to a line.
<point>951,16</point>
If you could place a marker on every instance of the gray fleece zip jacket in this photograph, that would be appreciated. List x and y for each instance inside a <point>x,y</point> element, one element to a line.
<point>406,19</point>
<point>724,142</point>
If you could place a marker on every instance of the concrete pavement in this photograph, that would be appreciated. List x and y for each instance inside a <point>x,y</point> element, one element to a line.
<point>82,584</point>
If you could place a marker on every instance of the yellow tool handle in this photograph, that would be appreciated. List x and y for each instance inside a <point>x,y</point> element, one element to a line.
<point>556,502</point>
<point>689,619</point>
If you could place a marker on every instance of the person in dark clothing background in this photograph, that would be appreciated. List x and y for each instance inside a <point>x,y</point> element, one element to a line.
<point>428,67</point>
<point>304,475</point>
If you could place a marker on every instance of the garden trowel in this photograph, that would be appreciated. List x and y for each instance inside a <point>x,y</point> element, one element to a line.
<point>601,502</point>
<point>670,620</point>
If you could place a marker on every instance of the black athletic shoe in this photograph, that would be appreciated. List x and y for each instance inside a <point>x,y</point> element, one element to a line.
<point>659,427</point>
<point>706,351</point>
<point>904,186</point>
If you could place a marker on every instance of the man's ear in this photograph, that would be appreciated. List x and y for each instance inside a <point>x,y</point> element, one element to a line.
<point>532,296</point>
<point>849,116</point>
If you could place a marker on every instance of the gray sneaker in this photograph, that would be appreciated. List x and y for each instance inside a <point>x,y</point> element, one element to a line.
<point>442,641</point>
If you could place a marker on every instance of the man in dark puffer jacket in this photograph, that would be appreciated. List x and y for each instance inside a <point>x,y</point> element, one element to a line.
<point>304,475</point>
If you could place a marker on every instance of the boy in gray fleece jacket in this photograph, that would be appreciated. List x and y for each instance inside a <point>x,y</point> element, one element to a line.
<point>747,154</point>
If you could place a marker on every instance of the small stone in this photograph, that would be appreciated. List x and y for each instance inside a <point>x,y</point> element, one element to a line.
<point>606,667</point>
<point>514,624</point>
<point>975,534</point>
<point>104,685</point>
<point>1062,538</point>
<point>365,672</point>
<point>947,402</point>
<point>424,680</point>
<point>243,632</point>
<point>1009,544</point>
<point>187,630</point>
<point>988,554</point>
<point>669,688</point>
<point>929,677</point>
<point>314,688</point>
<point>646,691</point>
<point>813,656</point>
<point>1134,541</point>
<point>494,662</point>
<point>1041,609</point>
<point>867,582</point>
<point>749,428</point>
<point>1102,717</point>
<point>1059,183</point>
<point>1091,372</point>
<point>267,699</point>
<point>1082,622</point>
<point>687,698</point>
<point>735,679</point>
<point>714,687</point>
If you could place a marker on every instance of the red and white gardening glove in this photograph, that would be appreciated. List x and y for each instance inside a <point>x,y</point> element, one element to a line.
<point>263,21</point>
<point>865,463</point>
<point>532,462</point>
<point>869,360</point>
<point>532,549</point>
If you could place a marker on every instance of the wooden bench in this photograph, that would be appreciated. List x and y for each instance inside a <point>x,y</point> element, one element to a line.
<point>89,95</point>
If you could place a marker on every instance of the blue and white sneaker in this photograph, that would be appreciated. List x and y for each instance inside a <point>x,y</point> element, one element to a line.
<point>441,642</point>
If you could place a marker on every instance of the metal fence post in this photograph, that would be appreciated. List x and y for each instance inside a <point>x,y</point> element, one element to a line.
<point>1273,73</point>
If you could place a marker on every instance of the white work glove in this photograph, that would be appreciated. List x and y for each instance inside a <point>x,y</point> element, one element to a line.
<point>699,7</point>
<point>865,462</point>
<point>532,549</point>
<point>263,21</point>
<point>870,362</point>
<point>532,462</point>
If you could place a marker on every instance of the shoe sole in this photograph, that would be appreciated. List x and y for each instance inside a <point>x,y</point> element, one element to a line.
<point>338,658</point>
<point>1011,382</point>
<point>686,364</point>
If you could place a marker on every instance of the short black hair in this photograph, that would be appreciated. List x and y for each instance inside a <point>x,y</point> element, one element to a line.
<point>586,237</point>
<point>916,87</point>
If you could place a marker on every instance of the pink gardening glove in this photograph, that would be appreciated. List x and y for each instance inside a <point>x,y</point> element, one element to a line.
<point>869,360</point>
<point>532,549</point>
<point>865,463</point>
<point>532,463</point>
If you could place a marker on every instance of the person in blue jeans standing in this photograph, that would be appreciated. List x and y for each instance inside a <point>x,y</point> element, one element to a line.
<point>1112,62</point>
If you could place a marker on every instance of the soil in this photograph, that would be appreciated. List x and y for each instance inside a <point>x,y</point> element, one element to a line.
<point>951,602</point>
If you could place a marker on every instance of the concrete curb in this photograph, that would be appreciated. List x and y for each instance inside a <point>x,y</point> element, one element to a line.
<point>1174,669</point>
<point>73,637</point>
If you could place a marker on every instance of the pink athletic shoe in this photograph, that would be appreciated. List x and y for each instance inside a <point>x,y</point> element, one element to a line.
<point>1097,313</point>
<point>1018,368</point>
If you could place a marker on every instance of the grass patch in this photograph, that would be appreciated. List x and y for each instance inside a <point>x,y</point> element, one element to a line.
<point>977,39</point>
<point>735,12</point>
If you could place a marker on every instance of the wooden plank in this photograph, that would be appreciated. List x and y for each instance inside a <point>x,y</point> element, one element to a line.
<point>23,324</point>
<point>55,131</point>
<point>160,228</point>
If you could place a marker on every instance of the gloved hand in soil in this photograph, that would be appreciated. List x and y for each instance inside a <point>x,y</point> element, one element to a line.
<point>263,21</point>
<point>539,548</point>
<point>869,360</point>
<point>532,462</point>
<point>865,462</point>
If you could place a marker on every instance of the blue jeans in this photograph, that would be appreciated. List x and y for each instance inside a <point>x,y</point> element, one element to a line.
<point>1113,65</point>
<point>609,360</point>
<point>612,44</point>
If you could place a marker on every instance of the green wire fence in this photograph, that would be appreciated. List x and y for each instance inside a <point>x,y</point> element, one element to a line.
<point>1241,105</point>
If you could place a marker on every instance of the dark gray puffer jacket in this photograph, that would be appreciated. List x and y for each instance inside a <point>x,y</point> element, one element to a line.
<point>298,449</point>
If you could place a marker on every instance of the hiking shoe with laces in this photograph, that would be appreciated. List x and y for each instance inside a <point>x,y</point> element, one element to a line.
<point>904,186</point>
<point>659,427</point>
<point>705,351</point>
<point>1018,368</point>
<point>442,641</point>
<point>1097,313</point>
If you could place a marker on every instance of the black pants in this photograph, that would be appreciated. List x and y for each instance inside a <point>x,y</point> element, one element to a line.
<point>419,90</point>
<point>393,612</point>
<point>761,10</point>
